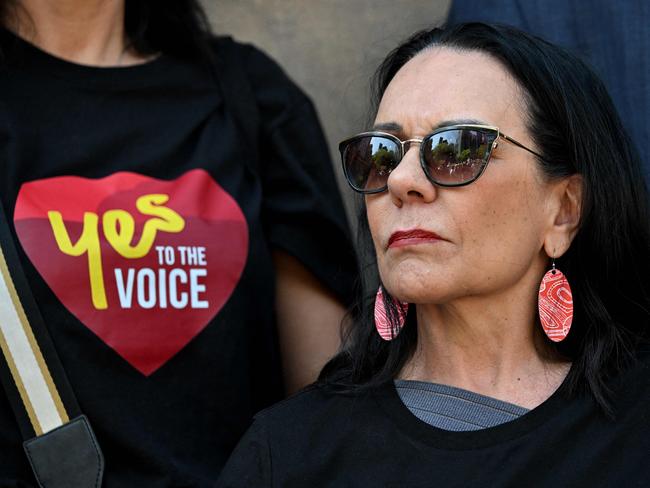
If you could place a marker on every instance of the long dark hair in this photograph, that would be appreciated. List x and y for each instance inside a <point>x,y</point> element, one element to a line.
<point>175,27</point>
<point>573,122</point>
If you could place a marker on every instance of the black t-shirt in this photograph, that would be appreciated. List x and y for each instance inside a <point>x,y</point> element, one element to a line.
<point>320,438</point>
<point>145,232</point>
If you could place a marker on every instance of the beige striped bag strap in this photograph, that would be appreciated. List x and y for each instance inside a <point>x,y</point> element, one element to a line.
<point>58,440</point>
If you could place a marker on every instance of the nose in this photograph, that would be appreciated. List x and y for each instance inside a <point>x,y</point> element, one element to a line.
<point>407,182</point>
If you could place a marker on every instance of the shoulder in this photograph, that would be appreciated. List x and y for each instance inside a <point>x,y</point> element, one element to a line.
<point>260,67</point>
<point>277,95</point>
<point>315,409</point>
<point>288,438</point>
<point>311,402</point>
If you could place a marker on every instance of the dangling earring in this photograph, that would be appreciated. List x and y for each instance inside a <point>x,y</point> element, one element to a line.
<point>386,330</point>
<point>555,304</point>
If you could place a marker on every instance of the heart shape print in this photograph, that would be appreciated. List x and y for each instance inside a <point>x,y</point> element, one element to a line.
<point>144,263</point>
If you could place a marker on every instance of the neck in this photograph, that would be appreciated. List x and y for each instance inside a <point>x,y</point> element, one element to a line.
<point>491,346</point>
<point>89,32</point>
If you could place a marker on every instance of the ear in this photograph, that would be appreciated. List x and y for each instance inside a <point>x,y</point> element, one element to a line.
<point>566,212</point>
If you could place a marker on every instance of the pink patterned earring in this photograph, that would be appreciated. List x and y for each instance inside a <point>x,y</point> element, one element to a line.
<point>555,304</point>
<point>386,329</point>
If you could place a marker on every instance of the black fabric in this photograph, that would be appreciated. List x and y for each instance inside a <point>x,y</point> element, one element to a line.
<point>162,128</point>
<point>323,439</point>
<point>67,456</point>
<point>238,94</point>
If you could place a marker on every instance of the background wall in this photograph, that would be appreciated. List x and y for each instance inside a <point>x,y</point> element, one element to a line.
<point>329,47</point>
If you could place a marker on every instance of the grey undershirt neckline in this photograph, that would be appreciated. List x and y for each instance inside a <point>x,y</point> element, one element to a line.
<point>455,409</point>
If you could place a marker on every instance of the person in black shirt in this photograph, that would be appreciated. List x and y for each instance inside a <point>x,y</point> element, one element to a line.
<point>170,194</point>
<point>506,341</point>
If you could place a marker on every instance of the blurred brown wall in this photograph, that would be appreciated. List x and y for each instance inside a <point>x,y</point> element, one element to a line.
<point>329,47</point>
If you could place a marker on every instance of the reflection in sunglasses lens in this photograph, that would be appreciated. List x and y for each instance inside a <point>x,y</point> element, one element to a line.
<point>369,161</point>
<point>456,156</point>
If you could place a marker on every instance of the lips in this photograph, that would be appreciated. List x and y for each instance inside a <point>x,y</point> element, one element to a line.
<point>412,237</point>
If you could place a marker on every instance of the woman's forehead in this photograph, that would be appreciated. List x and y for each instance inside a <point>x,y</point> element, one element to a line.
<point>448,84</point>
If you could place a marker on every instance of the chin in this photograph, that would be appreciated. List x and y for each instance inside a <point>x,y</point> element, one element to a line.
<point>414,290</point>
<point>413,280</point>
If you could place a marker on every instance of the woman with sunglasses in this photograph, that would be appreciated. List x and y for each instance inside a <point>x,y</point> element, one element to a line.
<point>504,342</point>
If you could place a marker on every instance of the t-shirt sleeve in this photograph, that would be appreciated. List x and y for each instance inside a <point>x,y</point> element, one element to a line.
<point>250,463</point>
<point>302,210</point>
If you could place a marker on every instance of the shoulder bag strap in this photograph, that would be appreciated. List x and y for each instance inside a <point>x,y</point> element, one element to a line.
<point>59,441</point>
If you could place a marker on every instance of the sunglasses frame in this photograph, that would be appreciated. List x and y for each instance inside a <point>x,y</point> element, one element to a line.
<point>344,145</point>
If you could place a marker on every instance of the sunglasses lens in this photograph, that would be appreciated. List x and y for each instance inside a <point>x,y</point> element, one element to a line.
<point>368,160</point>
<point>457,156</point>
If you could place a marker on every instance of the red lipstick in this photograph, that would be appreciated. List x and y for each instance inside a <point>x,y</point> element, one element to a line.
<point>411,237</point>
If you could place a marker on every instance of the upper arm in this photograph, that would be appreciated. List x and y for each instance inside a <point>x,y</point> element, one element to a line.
<point>309,318</point>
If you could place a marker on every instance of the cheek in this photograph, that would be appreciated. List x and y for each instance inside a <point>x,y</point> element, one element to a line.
<point>504,235</point>
<point>375,215</point>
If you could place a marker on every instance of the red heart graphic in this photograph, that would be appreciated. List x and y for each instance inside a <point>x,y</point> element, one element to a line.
<point>143,263</point>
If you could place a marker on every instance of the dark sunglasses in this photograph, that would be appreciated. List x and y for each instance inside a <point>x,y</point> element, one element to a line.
<point>450,156</point>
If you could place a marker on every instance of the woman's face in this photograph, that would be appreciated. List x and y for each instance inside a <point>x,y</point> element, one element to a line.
<point>491,232</point>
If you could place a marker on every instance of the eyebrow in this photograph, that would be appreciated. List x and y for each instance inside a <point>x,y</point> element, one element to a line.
<point>388,127</point>
<point>395,127</point>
